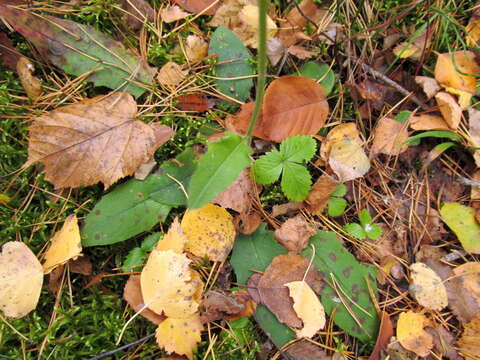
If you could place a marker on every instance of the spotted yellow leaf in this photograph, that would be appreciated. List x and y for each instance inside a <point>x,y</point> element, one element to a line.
<point>427,287</point>
<point>411,335</point>
<point>174,240</point>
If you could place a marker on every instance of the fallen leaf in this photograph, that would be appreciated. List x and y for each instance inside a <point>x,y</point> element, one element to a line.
<point>395,351</point>
<point>319,195</point>
<point>294,233</point>
<point>249,222</point>
<point>273,292</point>
<point>198,6</point>
<point>415,48</point>
<point>339,133</point>
<point>451,111</point>
<point>210,232</point>
<point>472,29</point>
<point>70,141</point>
<point>443,342</point>
<point>238,196</point>
<point>218,306</point>
<point>9,56</point>
<point>461,219</point>
<point>474,132</point>
<point>174,240</point>
<point>240,121</point>
<point>173,13</point>
<point>275,50</point>
<point>385,333</point>
<point>429,85</point>
<point>305,350</point>
<point>196,49</point>
<point>31,84</point>
<point>180,336</point>
<point>137,12</point>
<point>389,137</point>
<point>193,102</point>
<point>66,245</point>
<point>308,308</point>
<point>469,274</point>
<point>470,340</point>
<point>411,335</point>
<point>348,160</point>
<point>428,122</point>
<point>132,294</point>
<point>293,105</point>
<point>81,265</point>
<point>300,52</point>
<point>427,287</point>
<point>168,284</point>
<point>22,279</point>
<point>145,169</point>
<point>171,74</point>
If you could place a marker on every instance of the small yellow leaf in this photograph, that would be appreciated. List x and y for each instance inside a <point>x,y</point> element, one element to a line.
<point>174,240</point>
<point>411,335</point>
<point>210,232</point>
<point>405,50</point>
<point>427,287</point>
<point>21,277</point>
<point>31,84</point>
<point>180,336</point>
<point>308,308</point>
<point>473,31</point>
<point>168,285</point>
<point>66,245</point>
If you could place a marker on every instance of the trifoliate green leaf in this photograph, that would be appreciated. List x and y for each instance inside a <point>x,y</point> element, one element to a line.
<point>296,181</point>
<point>298,148</point>
<point>365,218</point>
<point>355,230</point>
<point>336,206</point>
<point>340,191</point>
<point>268,168</point>
<point>373,231</point>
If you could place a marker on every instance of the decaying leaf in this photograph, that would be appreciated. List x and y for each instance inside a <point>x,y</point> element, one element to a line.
<point>319,195</point>
<point>169,285</point>
<point>206,7</point>
<point>70,141</point>
<point>429,85</point>
<point>22,279</point>
<point>469,274</point>
<point>31,84</point>
<point>411,335</point>
<point>239,194</point>
<point>180,336</point>
<point>443,342</point>
<point>348,160</point>
<point>172,13</point>
<point>174,240</point>
<point>390,136</point>
<point>474,132</point>
<point>271,287</point>
<point>385,332</point>
<point>218,305</point>
<point>137,12</point>
<point>427,287</point>
<point>210,232</point>
<point>294,233</point>
<point>66,245</point>
<point>171,74</point>
<point>308,308</point>
<point>451,111</point>
<point>9,56</point>
<point>461,219</point>
<point>193,102</point>
<point>305,350</point>
<point>470,340</point>
<point>196,49</point>
<point>428,122</point>
<point>415,48</point>
<point>132,294</point>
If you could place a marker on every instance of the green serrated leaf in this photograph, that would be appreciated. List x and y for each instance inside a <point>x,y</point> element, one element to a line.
<point>340,191</point>
<point>268,168</point>
<point>217,169</point>
<point>81,49</point>
<point>134,259</point>
<point>298,148</point>
<point>355,230</point>
<point>373,231</point>
<point>365,218</point>
<point>336,206</point>
<point>150,241</point>
<point>256,252</point>
<point>296,181</point>
<point>233,59</point>
<point>136,206</point>
<point>318,72</point>
<point>347,291</point>
<point>461,219</point>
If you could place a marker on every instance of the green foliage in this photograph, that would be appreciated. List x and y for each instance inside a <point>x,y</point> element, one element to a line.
<point>217,169</point>
<point>403,116</point>
<point>348,286</point>
<point>439,134</point>
<point>79,49</point>
<point>296,180</point>
<point>366,228</point>
<point>256,252</point>
<point>318,72</point>
<point>227,47</point>
<point>336,205</point>
<point>137,256</point>
<point>136,206</point>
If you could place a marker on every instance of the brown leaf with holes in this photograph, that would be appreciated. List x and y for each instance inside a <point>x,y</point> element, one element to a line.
<point>389,137</point>
<point>428,122</point>
<point>9,56</point>
<point>31,84</point>
<point>274,294</point>
<point>470,340</point>
<point>317,199</point>
<point>294,233</point>
<point>93,140</point>
<point>198,6</point>
<point>132,294</point>
<point>173,13</point>
<point>451,111</point>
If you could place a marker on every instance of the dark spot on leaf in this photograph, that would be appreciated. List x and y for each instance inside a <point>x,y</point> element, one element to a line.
<point>97,212</point>
<point>347,272</point>
<point>332,256</point>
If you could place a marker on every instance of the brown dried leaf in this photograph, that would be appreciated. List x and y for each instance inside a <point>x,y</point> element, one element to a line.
<point>274,294</point>
<point>317,199</point>
<point>145,169</point>
<point>82,266</point>
<point>238,196</point>
<point>451,111</point>
<point>300,52</point>
<point>239,122</point>
<point>294,233</point>
<point>196,49</point>
<point>137,12</point>
<point>72,141</point>
<point>390,136</point>
<point>132,294</point>
<point>9,56</point>
<point>470,340</point>
<point>443,342</point>
<point>198,6</point>
<point>249,222</point>
<point>173,13</point>
<point>286,209</point>
<point>469,274</point>
<point>429,85</point>
<point>192,102</point>
<point>31,84</point>
<point>171,74</point>
<point>305,350</point>
<point>218,306</point>
<point>275,50</point>
<point>428,122</point>
<point>411,335</point>
<point>385,333</point>
<point>474,132</point>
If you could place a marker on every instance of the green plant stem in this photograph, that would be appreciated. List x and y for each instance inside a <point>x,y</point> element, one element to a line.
<point>262,66</point>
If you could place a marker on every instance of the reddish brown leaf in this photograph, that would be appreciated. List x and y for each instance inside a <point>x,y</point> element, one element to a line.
<point>193,102</point>
<point>136,12</point>
<point>273,293</point>
<point>305,350</point>
<point>229,306</point>
<point>249,222</point>
<point>238,196</point>
<point>317,199</point>
<point>133,296</point>
<point>384,334</point>
<point>94,140</point>
<point>294,233</point>
<point>9,56</point>
<point>81,265</point>
<point>197,6</point>
<point>239,122</point>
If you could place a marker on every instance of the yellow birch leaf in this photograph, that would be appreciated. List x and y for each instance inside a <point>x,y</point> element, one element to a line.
<point>427,287</point>
<point>180,336</point>
<point>210,232</point>
<point>348,160</point>
<point>308,308</point>
<point>410,333</point>
<point>66,245</point>
<point>168,285</point>
<point>470,275</point>
<point>174,240</point>
<point>461,219</point>
<point>21,277</point>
